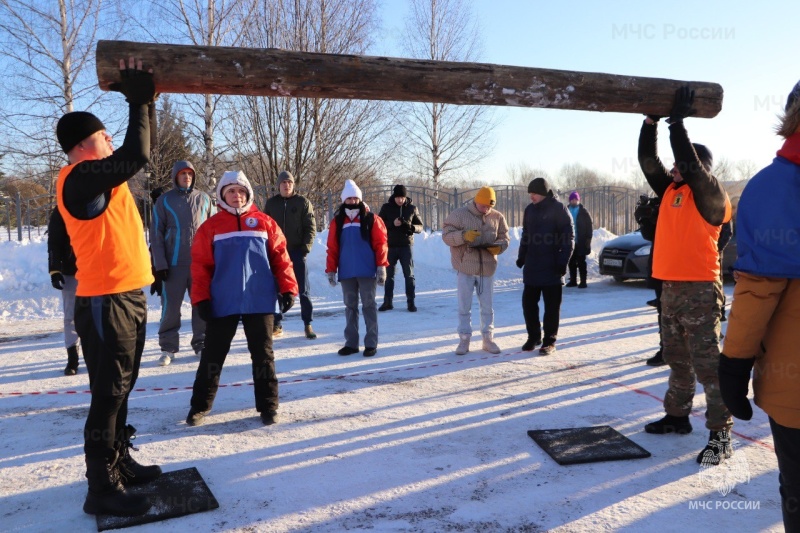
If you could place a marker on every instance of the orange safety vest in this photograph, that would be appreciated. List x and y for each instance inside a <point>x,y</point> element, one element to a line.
<point>685,245</point>
<point>110,249</point>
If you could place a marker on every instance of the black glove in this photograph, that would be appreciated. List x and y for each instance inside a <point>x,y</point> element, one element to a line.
<point>156,287</point>
<point>204,310</point>
<point>287,301</point>
<point>563,270</point>
<point>137,86</point>
<point>57,280</point>
<point>682,107</point>
<point>155,193</point>
<point>520,262</point>
<point>734,378</point>
<point>162,275</point>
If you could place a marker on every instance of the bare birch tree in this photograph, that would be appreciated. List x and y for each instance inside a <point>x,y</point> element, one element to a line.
<point>322,142</point>
<point>203,23</point>
<point>47,49</point>
<point>441,139</point>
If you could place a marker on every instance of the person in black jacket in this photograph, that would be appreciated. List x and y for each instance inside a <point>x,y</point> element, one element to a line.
<point>61,265</point>
<point>402,221</point>
<point>583,240</point>
<point>294,214</point>
<point>544,251</point>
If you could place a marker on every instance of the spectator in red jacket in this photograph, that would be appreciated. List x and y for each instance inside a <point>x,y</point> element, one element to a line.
<point>357,250</point>
<point>240,268</point>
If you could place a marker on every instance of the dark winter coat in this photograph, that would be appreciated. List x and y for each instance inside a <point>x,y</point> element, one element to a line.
<point>295,217</point>
<point>60,256</point>
<point>583,232</point>
<point>546,244</point>
<point>402,235</point>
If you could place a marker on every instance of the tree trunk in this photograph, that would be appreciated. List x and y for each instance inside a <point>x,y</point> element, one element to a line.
<point>273,72</point>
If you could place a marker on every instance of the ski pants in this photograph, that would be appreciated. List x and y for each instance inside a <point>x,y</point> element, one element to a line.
<point>220,333</point>
<point>112,332</point>
<point>301,274</point>
<point>405,256</point>
<point>351,290</point>
<point>68,303</point>
<point>552,312</point>
<point>178,283</point>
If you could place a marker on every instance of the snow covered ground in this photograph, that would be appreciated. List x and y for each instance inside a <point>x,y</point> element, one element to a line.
<point>414,439</point>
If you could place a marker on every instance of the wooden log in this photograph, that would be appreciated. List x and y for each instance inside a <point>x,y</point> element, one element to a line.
<point>273,72</point>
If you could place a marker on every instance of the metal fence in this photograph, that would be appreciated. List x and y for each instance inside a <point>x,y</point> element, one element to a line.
<point>610,207</point>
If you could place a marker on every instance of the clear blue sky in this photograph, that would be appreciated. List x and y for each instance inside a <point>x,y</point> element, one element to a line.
<point>745,47</point>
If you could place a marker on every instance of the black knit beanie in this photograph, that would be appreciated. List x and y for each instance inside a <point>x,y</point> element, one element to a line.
<point>74,127</point>
<point>539,186</point>
<point>704,155</point>
<point>399,191</point>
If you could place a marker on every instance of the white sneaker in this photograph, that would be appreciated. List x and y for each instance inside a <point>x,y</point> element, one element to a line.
<point>489,345</point>
<point>166,358</point>
<point>463,345</point>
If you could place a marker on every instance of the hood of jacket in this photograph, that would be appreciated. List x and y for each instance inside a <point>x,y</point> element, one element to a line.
<point>177,167</point>
<point>232,177</point>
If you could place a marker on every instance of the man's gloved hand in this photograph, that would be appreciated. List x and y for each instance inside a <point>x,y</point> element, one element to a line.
<point>287,301</point>
<point>57,280</point>
<point>682,107</point>
<point>204,310</point>
<point>734,378</point>
<point>162,275</point>
<point>520,262</point>
<point>136,84</point>
<point>494,250</point>
<point>332,278</point>
<point>470,235</point>
<point>157,287</point>
<point>562,269</point>
<point>381,275</point>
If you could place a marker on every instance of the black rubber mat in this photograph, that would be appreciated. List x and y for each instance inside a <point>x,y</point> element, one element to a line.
<point>587,445</point>
<point>173,494</point>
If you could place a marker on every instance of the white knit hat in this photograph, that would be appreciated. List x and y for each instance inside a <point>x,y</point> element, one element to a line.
<point>351,190</point>
<point>234,177</point>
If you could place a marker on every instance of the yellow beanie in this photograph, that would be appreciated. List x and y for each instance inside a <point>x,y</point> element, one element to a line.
<point>486,196</point>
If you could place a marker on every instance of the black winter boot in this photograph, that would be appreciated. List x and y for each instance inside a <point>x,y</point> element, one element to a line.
<point>656,360</point>
<point>718,449</point>
<point>670,424</point>
<point>106,494</point>
<point>411,307</point>
<point>131,472</point>
<point>386,306</point>
<point>72,361</point>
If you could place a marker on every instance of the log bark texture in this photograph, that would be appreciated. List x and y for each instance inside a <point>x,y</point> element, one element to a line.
<point>273,72</point>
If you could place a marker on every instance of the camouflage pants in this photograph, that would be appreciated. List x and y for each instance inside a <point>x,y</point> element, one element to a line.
<point>690,329</point>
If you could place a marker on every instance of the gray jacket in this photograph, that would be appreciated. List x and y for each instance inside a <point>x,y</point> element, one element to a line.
<point>176,217</point>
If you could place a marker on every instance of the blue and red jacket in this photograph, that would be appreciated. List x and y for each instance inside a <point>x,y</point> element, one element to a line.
<point>351,254</point>
<point>240,263</point>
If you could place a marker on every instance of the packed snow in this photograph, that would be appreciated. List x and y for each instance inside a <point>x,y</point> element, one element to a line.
<point>414,439</point>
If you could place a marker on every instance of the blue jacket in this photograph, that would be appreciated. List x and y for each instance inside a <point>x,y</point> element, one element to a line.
<point>240,263</point>
<point>546,244</point>
<point>767,228</point>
